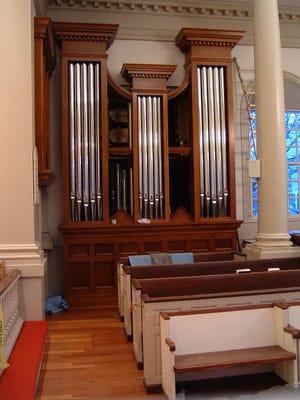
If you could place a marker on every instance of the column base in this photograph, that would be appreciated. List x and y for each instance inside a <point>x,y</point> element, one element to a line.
<point>262,249</point>
<point>30,260</point>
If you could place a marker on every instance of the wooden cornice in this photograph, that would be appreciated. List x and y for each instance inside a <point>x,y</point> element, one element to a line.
<point>43,29</point>
<point>189,37</point>
<point>147,71</point>
<point>82,32</point>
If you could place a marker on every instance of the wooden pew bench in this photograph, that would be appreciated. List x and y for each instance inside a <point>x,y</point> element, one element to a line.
<point>190,293</point>
<point>128,273</point>
<point>147,262</point>
<point>193,348</point>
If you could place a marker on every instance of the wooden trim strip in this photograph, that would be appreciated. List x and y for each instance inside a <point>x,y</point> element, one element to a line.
<point>168,315</point>
<point>292,331</point>
<point>147,299</point>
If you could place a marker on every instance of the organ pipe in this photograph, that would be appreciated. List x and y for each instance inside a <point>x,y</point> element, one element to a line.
<point>151,194</point>
<point>85,152</point>
<point>212,141</point>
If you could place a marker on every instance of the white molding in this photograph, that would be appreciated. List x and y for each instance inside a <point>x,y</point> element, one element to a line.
<point>28,258</point>
<point>234,9</point>
<point>292,77</point>
<point>161,20</point>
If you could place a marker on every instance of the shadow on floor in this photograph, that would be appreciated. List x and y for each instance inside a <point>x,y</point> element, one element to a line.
<point>259,387</point>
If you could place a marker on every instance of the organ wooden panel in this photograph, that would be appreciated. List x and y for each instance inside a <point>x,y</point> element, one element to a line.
<point>144,154</point>
<point>44,64</point>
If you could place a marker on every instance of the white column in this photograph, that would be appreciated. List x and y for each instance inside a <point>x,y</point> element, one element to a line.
<point>19,215</point>
<point>272,238</point>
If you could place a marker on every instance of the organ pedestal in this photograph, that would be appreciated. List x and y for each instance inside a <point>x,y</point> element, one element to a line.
<point>146,168</point>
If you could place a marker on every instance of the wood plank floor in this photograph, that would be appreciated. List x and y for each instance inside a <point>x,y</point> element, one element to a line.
<point>88,358</point>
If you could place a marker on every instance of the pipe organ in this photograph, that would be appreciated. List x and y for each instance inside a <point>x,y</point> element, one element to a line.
<point>151,192</point>
<point>212,141</point>
<point>146,168</point>
<point>85,156</point>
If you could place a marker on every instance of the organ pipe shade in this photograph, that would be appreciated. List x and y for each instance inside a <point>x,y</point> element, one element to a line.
<point>84,140</point>
<point>151,187</point>
<point>212,141</point>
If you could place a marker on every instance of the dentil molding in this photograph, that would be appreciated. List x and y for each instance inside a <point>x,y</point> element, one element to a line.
<point>233,9</point>
<point>160,20</point>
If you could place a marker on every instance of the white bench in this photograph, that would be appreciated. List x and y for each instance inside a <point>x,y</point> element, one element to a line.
<point>224,342</point>
<point>146,328</point>
<point>141,260</point>
<point>9,302</point>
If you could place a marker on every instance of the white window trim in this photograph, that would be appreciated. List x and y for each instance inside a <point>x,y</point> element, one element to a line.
<point>244,129</point>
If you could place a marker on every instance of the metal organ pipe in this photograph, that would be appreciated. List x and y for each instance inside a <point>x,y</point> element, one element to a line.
<point>205,155</point>
<point>223,140</point>
<point>78,142</point>
<point>85,151</point>
<point>72,141</point>
<point>141,197</point>
<point>212,141</point>
<point>97,135</point>
<point>202,182</point>
<point>92,163</point>
<point>218,139</point>
<point>150,157</point>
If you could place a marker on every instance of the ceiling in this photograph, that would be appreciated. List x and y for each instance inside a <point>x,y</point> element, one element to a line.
<point>162,19</point>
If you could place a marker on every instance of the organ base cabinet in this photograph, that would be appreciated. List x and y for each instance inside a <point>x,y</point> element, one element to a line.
<point>146,168</point>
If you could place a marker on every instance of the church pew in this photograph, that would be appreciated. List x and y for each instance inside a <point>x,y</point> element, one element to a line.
<point>132,307</point>
<point>253,339</point>
<point>209,291</point>
<point>197,257</point>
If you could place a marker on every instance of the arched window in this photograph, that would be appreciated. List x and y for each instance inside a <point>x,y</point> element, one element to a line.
<point>292,124</point>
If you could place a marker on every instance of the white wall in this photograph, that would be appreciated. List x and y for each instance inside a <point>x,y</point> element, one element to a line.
<point>19,216</point>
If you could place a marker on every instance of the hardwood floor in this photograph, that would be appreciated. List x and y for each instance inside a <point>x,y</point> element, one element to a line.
<point>88,358</point>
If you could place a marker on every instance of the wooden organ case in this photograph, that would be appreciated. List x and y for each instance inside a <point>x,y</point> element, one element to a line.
<point>146,168</point>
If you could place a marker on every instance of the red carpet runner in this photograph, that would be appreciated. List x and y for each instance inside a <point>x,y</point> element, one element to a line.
<point>19,380</point>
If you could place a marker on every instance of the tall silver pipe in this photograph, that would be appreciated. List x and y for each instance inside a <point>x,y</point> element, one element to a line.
<point>140,155</point>
<point>202,182</point>
<point>145,157</point>
<point>85,154</point>
<point>150,154</point>
<point>92,171</point>
<point>78,141</point>
<point>218,139</point>
<point>161,193</point>
<point>97,136</point>
<point>206,154</point>
<point>155,158</point>
<point>223,136</point>
<point>212,143</point>
<point>72,140</point>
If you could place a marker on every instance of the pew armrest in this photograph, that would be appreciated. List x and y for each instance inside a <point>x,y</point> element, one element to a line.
<point>292,331</point>
<point>170,344</point>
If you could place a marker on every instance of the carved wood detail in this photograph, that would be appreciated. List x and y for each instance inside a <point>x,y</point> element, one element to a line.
<point>189,37</point>
<point>81,32</point>
<point>45,62</point>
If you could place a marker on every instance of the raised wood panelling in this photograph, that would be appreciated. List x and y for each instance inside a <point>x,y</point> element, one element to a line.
<point>44,64</point>
<point>86,245</point>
